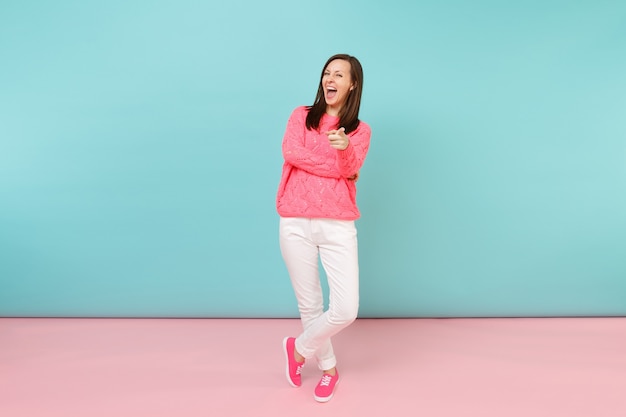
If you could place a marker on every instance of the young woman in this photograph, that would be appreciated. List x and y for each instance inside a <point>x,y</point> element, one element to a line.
<point>324,147</point>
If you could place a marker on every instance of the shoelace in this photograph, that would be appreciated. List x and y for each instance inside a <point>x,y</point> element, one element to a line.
<point>325,380</point>
<point>298,369</point>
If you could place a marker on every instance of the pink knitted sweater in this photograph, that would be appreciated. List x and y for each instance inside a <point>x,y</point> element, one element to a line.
<point>314,182</point>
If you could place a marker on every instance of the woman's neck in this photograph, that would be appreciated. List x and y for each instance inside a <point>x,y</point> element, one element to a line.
<point>332,111</point>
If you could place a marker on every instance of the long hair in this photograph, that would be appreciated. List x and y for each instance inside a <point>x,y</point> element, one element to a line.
<point>349,113</point>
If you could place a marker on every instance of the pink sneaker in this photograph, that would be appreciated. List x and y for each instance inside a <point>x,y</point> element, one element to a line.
<point>324,390</point>
<point>293,368</point>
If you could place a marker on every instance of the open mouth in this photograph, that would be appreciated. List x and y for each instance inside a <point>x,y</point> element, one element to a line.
<point>331,92</point>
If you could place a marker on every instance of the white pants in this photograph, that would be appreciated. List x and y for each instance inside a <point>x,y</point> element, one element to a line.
<point>303,242</point>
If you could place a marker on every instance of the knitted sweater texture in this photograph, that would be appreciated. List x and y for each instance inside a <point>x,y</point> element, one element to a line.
<point>314,182</point>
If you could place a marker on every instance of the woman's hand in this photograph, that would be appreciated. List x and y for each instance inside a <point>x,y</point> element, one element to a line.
<point>338,139</point>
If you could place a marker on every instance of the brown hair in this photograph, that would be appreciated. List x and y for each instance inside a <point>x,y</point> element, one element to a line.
<point>349,114</point>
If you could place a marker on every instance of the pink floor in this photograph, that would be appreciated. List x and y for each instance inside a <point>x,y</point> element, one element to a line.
<point>225,367</point>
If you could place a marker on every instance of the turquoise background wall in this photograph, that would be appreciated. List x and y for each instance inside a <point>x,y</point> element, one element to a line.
<point>140,155</point>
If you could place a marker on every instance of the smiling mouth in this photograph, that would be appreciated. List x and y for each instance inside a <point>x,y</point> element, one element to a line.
<point>331,92</point>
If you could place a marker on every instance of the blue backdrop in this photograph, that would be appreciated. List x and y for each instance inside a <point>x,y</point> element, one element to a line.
<point>140,155</point>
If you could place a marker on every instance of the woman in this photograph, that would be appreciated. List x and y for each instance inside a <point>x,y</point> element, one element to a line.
<point>324,147</point>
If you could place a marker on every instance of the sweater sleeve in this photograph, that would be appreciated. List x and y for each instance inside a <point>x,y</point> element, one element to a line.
<point>350,160</point>
<point>296,154</point>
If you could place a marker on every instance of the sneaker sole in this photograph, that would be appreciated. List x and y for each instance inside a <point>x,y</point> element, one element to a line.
<point>287,364</point>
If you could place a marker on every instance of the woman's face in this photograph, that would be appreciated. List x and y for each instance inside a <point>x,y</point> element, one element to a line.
<point>337,84</point>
